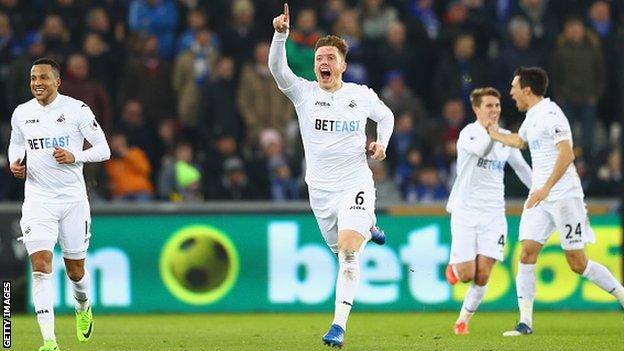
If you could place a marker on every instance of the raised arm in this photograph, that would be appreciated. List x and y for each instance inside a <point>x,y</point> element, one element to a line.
<point>513,139</point>
<point>278,64</point>
<point>521,167</point>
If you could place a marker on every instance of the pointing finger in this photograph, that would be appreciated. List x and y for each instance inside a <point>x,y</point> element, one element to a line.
<point>286,14</point>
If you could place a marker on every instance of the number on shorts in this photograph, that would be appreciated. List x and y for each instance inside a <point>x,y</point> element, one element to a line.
<point>577,231</point>
<point>359,198</point>
<point>501,240</point>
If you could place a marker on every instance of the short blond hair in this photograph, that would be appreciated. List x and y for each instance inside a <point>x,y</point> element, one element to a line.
<point>335,41</point>
<point>477,95</point>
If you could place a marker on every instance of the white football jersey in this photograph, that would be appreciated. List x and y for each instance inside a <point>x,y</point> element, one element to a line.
<point>332,125</point>
<point>37,130</point>
<point>479,185</point>
<point>543,128</point>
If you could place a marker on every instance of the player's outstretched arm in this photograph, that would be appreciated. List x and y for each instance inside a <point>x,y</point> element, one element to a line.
<point>278,64</point>
<point>512,139</point>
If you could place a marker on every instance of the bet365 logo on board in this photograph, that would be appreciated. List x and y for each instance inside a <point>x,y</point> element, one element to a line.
<point>199,264</point>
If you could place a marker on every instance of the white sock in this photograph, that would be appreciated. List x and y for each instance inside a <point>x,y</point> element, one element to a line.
<point>601,276</point>
<point>525,288</point>
<point>43,299</point>
<point>473,298</point>
<point>346,285</point>
<point>81,291</point>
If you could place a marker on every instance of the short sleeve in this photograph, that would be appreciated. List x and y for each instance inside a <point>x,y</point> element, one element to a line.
<point>558,127</point>
<point>88,125</point>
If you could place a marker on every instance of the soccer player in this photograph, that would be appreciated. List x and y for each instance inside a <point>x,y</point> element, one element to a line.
<point>556,197</point>
<point>332,118</point>
<point>477,202</point>
<point>46,149</point>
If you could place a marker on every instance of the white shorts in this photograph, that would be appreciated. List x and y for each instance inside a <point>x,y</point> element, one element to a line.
<point>68,223</point>
<point>569,216</point>
<point>472,235</point>
<point>348,209</point>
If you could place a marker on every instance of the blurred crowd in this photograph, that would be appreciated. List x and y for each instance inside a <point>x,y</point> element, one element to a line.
<point>191,112</point>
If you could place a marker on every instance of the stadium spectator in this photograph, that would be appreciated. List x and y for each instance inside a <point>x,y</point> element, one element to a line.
<point>376,17</point>
<point>397,53</point>
<point>104,63</point>
<point>425,187</point>
<point>193,68</point>
<point>404,150</point>
<point>519,51</point>
<point>400,98</point>
<point>578,78</point>
<point>76,83</point>
<point>330,14</point>
<point>386,189</point>
<point>16,91</point>
<point>147,78</point>
<point>138,131</point>
<point>348,27</point>
<point>128,171</point>
<point>282,179</point>
<point>57,38</point>
<point>155,17</point>
<point>300,44</point>
<point>601,22</point>
<point>218,113</point>
<point>9,48</point>
<point>241,32</point>
<point>235,183</point>
<point>259,100</point>
<point>195,21</point>
<point>180,178</point>
<point>424,13</point>
<point>542,19</point>
<point>609,176</point>
<point>457,74</point>
<point>70,11</point>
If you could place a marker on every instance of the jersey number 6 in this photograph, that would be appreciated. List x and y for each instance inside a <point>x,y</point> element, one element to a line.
<point>359,198</point>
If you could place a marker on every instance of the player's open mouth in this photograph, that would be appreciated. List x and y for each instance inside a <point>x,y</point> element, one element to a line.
<point>325,73</point>
<point>39,90</point>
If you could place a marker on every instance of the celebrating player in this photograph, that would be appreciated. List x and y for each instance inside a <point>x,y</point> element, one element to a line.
<point>46,149</point>
<point>477,203</point>
<point>556,197</point>
<point>332,118</point>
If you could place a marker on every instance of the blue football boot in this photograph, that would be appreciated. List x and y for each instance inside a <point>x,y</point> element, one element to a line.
<point>334,337</point>
<point>378,236</point>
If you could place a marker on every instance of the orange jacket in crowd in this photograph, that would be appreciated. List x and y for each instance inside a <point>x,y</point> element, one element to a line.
<point>129,174</point>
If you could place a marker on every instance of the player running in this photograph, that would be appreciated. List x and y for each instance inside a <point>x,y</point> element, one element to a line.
<point>332,118</point>
<point>49,132</point>
<point>556,197</point>
<point>477,203</point>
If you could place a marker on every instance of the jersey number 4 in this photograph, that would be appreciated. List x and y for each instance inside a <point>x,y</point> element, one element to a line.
<point>501,240</point>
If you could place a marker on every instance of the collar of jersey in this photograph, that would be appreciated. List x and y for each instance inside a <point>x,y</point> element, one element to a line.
<point>51,105</point>
<point>540,105</point>
<point>340,90</point>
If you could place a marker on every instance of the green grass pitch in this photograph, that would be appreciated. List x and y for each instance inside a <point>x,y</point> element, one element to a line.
<point>366,331</point>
